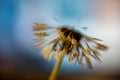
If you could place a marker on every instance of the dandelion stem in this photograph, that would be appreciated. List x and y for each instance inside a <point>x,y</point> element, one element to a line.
<point>56,69</point>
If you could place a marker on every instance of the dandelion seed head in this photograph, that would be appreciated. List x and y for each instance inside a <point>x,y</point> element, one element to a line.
<point>76,44</point>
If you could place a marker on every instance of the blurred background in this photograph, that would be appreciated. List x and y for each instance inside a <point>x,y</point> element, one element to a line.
<point>20,60</point>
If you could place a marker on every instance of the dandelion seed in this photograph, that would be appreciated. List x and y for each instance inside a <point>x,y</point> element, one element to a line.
<point>57,55</point>
<point>88,61</point>
<point>46,51</point>
<point>41,42</point>
<point>38,27</point>
<point>101,47</point>
<point>71,57</point>
<point>41,34</point>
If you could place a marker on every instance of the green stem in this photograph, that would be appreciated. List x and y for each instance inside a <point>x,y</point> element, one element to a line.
<point>56,69</point>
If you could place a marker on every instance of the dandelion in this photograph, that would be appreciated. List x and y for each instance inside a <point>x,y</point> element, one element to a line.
<point>67,41</point>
